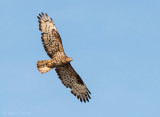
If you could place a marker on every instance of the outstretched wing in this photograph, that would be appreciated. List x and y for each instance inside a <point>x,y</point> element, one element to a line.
<point>71,79</point>
<point>50,37</point>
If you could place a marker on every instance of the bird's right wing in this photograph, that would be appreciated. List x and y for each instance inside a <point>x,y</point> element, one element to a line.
<point>71,79</point>
<point>50,37</point>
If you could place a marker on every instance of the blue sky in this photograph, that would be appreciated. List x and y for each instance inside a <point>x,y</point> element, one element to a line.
<point>115,46</point>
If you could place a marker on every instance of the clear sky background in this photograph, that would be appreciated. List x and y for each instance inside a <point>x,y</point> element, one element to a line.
<point>115,45</point>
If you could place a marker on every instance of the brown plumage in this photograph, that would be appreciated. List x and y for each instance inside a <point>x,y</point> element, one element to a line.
<point>53,46</point>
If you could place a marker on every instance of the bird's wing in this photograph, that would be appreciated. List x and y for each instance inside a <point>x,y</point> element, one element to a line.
<point>50,37</point>
<point>71,79</point>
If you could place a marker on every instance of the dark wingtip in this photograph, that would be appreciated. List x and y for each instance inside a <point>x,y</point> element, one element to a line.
<point>38,17</point>
<point>81,99</point>
<point>46,14</point>
<point>88,91</point>
<point>89,96</point>
<point>87,99</point>
<point>84,100</point>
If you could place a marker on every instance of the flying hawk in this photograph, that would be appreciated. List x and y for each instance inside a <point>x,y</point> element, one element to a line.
<point>53,46</point>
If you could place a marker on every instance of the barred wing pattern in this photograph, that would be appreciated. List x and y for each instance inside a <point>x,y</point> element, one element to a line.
<point>71,79</point>
<point>50,37</point>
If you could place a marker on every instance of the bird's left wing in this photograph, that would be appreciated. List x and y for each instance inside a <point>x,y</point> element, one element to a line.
<point>71,79</point>
<point>50,37</point>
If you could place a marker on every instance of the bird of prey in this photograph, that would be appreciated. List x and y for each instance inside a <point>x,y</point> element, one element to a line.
<point>52,44</point>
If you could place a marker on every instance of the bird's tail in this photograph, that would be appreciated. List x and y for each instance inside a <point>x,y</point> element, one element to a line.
<point>44,66</point>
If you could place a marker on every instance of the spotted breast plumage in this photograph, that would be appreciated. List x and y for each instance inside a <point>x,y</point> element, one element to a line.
<point>53,46</point>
